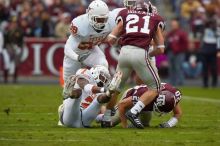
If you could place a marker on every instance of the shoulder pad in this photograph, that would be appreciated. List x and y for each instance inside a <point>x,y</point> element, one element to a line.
<point>80,25</point>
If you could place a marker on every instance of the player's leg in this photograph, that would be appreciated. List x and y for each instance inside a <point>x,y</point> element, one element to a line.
<point>69,67</point>
<point>97,57</point>
<point>125,68</point>
<point>71,116</point>
<point>6,65</point>
<point>148,74</point>
<point>91,112</point>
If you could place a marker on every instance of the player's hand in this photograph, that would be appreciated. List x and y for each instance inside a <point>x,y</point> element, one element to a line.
<point>164,125</point>
<point>115,82</point>
<point>83,57</point>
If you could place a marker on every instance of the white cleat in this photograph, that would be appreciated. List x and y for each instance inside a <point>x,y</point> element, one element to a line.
<point>60,112</point>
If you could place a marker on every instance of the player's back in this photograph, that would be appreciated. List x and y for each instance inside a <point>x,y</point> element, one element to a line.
<point>139,27</point>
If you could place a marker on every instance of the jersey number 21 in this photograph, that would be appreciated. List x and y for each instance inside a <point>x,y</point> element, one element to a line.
<point>132,19</point>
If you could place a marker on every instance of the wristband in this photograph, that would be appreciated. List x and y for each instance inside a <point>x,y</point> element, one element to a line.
<point>112,36</point>
<point>102,90</point>
<point>160,46</point>
<point>173,121</point>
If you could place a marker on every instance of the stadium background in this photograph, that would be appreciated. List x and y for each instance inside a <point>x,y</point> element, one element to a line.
<point>28,110</point>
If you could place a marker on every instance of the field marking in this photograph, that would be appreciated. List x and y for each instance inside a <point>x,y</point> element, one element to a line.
<point>29,113</point>
<point>202,99</point>
<point>86,140</point>
<point>29,105</point>
<point>104,132</point>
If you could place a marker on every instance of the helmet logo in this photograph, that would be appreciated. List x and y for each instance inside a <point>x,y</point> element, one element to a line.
<point>161,100</point>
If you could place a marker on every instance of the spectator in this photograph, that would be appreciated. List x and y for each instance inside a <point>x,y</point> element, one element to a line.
<point>192,65</point>
<point>46,25</point>
<point>176,47</point>
<point>187,8</point>
<point>4,58</point>
<point>75,7</point>
<point>55,10</point>
<point>62,28</point>
<point>209,53</point>
<point>14,44</point>
<point>198,22</point>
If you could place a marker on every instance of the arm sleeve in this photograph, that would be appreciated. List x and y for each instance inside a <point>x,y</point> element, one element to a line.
<point>72,42</point>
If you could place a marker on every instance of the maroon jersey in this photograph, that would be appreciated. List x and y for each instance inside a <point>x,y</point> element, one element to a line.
<point>139,27</point>
<point>137,91</point>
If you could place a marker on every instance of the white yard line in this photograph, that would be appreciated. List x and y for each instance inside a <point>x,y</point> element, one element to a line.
<point>104,132</point>
<point>202,99</point>
<point>87,140</point>
<point>30,113</point>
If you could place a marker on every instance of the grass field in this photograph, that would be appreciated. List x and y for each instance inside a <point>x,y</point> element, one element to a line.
<point>32,120</point>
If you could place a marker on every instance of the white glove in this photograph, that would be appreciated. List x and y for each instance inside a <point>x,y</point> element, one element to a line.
<point>171,123</point>
<point>115,82</point>
<point>83,57</point>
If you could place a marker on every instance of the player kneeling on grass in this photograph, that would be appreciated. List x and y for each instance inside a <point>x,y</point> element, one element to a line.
<point>167,101</point>
<point>80,89</point>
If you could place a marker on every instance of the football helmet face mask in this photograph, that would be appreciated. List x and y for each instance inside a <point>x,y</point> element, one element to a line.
<point>129,3</point>
<point>98,14</point>
<point>165,102</point>
<point>101,75</point>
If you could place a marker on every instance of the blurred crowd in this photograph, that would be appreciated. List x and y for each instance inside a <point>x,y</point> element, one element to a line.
<point>192,38</point>
<point>44,18</point>
<point>193,41</point>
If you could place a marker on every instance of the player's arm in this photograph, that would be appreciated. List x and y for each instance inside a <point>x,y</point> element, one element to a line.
<point>113,36</point>
<point>72,42</point>
<point>123,105</point>
<point>89,88</point>
<point>177,113</point>
<point>159,43</point>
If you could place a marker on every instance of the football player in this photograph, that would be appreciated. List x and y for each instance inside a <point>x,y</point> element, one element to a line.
<point>85,85</point>
<point>138,26</point>
<point>167,101</point>
<point>87,32</point>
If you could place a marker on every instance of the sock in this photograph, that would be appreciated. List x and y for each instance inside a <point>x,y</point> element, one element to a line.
<point>107,115</point>
<point>136,109</point>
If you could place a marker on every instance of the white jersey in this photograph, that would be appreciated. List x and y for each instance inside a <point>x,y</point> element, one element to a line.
<point>83,36</point>
<point>84,73</point>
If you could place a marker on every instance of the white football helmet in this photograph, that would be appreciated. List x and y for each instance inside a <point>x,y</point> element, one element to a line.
<point>98,14</point>
<point>101,75</point>
<point>129,3</point>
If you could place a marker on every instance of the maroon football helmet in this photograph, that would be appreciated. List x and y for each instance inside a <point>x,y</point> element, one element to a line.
<point>166,101</point>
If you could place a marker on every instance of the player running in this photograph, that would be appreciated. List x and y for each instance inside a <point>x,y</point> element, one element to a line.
<point>137,28</point>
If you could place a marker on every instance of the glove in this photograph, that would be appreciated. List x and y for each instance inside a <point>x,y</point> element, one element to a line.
<point>164,125</point>
<point>115,82</point>
<point>83,57</point>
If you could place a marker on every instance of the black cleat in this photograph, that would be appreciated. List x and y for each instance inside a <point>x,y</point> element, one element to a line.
<point>134,120</point>
<point>106,124</point>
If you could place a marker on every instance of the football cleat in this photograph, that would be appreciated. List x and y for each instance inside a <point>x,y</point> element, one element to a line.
<point>106,124</point>
<point>134,120</point>
<point>60,114</point>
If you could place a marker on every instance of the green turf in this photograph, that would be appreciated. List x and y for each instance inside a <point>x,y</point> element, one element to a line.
<point>32,120</point>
